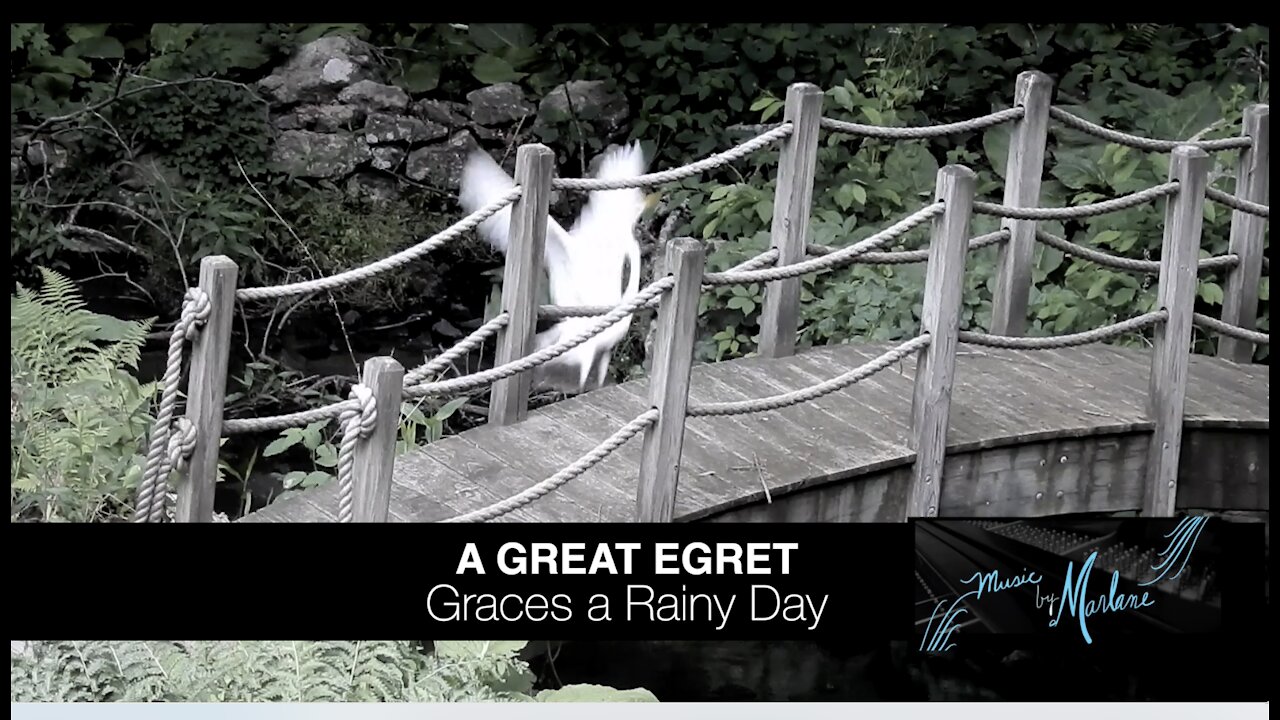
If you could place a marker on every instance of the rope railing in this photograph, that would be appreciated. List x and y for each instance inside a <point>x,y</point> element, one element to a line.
<point>390,262</point>
<point>1235,331</point>
<point>925,131</point>
<point>365,439</point>
<point>904,257</point>
<point>812,392</point>
<point>1117,262</point>
<point>1076,212</point>
<point>583,464</point>
<point>1141,143</point>
<point>1053,342</point>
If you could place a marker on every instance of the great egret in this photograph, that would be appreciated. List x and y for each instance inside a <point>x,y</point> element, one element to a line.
<point>584,265</point>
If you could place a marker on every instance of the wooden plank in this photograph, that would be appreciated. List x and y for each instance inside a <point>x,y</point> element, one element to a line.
<point>940,318</point>
<point>1179,256</point>
<point>845,411</point>
<point>1225,470</point>
<point>792,201</point>
<point>1023,171</point>
<point>206,390</point>
<point>1227,395</point>
<point>886,396</point>
<point>1248,235</point>
<point>1071,392</point>
<point>375,455</point>
<point>669,383</point>
<point>509,399</point>
<point>422,473</point>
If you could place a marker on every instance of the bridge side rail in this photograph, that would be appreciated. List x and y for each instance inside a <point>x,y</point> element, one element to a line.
<point>189,443</point>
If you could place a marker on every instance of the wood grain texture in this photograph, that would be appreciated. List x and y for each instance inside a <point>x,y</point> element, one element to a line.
<point>375,455</point>
<point>509,400</point>
<point>669,383</point>
<point>846,457</point>
<point>1180,253</point>
<point>206,390</point>
<point>1023,171</point>
<point>792,201</point>
<point>1248,234</point>
<point>940,318</point>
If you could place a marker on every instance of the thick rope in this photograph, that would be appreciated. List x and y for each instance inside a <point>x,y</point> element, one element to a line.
<point>1141,143</point>
<point>1235,331</point>
<point>1235,203</point>
<point>903,257</point>
<point>528,362</point>
<point>438,364</point>
<point>839,258</point>
<point>813,392</point>
<point>150,504</point>
<point>583,464</point>
<point>1062,341</point>
<point>680,173</point>
<point>927,131</point>
<point>390,262</point>
<point>357,423</point>
<point>1117,262</point>
<point>239,426</point>
<point>1078,211</point>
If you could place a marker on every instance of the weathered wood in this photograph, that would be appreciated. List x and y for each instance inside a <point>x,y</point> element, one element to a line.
<point>792,201</point>
<point>375,455</point>
<point>206,389</point>
<point>940,318</point>
<point>1248,235</point>
<point>509,399</point>
<point>1023,171</point>
<point>1179,255</point>
<point>669,383</point>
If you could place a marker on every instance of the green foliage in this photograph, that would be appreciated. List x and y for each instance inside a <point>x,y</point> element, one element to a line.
<point>79,419</point>
<point>286,671</point>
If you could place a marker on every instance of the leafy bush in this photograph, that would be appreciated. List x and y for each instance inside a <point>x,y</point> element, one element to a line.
<point>286,671</point>
<point>79,418</point>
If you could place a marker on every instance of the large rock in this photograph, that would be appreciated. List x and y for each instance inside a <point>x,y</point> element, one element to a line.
<point>443,112</point>
<point>319,69</point>
<point>441,165</point>
<point>386,159</point>
<point>307,154</point>
<point>375,97</point>
<point>322,118</point>
<point>591,101</point>
<point>372,186</point>
<point>498,104</point>
<point>386,128</point>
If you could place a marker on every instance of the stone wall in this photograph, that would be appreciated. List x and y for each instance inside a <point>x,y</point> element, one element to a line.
<point>335,117</point>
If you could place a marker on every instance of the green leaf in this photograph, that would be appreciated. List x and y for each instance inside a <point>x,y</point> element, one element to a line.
<point>447,410</point>
<point>595,693</point>
<point>327,455</point>
<point>61,64</point>
<point>421,77</point>
<point>491,70</point>
<point>473,649</point>
<point>498,36</point>
<point>1126,172</point>
<point>912,165</point>
<point>107,48</point>
<point>1106,237</point>
<point>84,31</point>
<point>172,37</point>
<point>1211,293</point>
<point>995,143</point>
<point>1098,287</point>
<point>860,194</point>
<point>1122,297</point>
<point>876,118</point>
<point>281,444</point>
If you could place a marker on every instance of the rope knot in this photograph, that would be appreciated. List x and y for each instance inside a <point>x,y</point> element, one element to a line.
<point>366,409</point>
<point>182,443</point>
<point>195,312</point>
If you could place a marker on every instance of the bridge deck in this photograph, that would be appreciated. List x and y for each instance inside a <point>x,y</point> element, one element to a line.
<point>1003,397</point>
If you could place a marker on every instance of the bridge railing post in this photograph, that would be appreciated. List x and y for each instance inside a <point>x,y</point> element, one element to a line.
<point>1176,294</point>
<point>206,391</point>
<point>669,383</point>
<point>509,399</point>
<point>940,318</point>
<point>1248,234</point>
<point>375,455</point>
<point>792,201</point>
<point>1024,169</point>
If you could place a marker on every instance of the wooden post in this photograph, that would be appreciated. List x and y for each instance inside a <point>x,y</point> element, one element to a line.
<point>1176,294</point>
<point>940,317</point>
<point>375,456</point>
<point>1023,170</point>
<point>1240,297</point>
<point>206,389</point>
<point>669,383</point>
<point>792,199</point>
<point>509,400</point>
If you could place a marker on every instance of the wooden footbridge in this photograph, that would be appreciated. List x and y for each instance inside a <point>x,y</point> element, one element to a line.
<point>950,422</point>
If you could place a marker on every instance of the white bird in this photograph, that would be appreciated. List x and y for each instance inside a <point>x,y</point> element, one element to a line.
<point>585,265</point>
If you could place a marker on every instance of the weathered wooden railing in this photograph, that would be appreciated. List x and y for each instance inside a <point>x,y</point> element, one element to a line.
<point>369,417</point>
